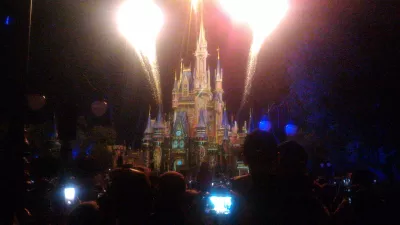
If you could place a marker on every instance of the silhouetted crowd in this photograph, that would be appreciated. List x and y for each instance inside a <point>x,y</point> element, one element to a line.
<point>277,191</point>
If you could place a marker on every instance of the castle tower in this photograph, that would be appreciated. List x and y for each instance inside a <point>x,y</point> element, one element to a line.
<point>175,94</point>
<point>252,125</point>
<point>147,144</point>
<point>201,137</point>
<point>201,54</point>
<point>218,76</point>
<point>218,100</point>
<point>158,140</point>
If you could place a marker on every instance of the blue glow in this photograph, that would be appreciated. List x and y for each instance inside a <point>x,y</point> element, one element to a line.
<point>89,149</point>
<point>291,129</point>
<point>75,152</point>
<point>264,124</point>
<point>7,22</point>
<point>179,162</point>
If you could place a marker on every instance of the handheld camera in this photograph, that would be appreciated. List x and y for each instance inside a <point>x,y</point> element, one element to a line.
<point>219,201</point>
<point>220,205</point>
<point>69,195</point>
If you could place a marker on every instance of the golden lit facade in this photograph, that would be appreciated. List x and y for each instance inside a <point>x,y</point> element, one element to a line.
<point>198,129</point>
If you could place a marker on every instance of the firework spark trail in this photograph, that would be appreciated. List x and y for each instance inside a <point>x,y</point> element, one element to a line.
<point>143,36</point>
<point>262,16</point>
<point>250,71</point>
<point>153,76</point>
<point>156,82</point>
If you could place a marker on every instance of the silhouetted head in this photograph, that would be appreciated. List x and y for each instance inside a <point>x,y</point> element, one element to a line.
<point>131,196</point>
<point>85,213</point>
<point>293,157</point>
<point>260,151</point>
<point>172,183</point>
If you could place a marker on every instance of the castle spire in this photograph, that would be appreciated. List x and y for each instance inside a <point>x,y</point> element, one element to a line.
<point>175,89</point>
<point>244,129</point>
<point>159,120</point>
<point>224,122</point>
<point>235,128</point>
<point>149,128</point>
<point>181,65</point>
<point>251,122</point>
<point>200,82</point>
<point>218,70</point>
<point>201,123</point>
<point>202,34</point>
<point>209,78</point>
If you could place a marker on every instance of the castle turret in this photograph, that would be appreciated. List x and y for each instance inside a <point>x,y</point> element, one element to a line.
<point>148,132</point>
<point>201,133</point>
<point>158,140</point>
<point>218,74</point>
<point>147,141</point>
<point>159,127</point>
<point>200,82</point>
<point>252,125</point>
<point>175,94</point>
<point>235,128</point>
<point>244,128</point>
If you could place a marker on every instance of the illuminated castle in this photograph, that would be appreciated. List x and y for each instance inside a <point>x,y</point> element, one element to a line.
<point>198,129</point>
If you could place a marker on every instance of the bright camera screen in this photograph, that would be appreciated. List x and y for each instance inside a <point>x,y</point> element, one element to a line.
<point>219,205</point>
<point>69,194</point>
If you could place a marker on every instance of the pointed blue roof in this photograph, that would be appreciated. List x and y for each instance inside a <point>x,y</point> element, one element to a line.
<point>159,120</point>
<point>252,125</point>
<point>149,128</point>
<point>202,122</point>
<point>224,121</point>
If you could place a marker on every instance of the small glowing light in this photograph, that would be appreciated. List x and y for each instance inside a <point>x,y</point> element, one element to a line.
<point>69,194</point>
<point>264,124</point>
<point>7,22</point>
<point>291,129</point>
<point>222,205</point>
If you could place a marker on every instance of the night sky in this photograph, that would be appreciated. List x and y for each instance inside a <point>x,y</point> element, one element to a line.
<point>77,52</point>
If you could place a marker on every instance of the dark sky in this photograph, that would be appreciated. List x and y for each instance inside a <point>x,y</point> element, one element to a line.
<point>77,52</point>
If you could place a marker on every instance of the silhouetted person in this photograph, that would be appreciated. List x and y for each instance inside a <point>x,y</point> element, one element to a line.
<point>204,177</point>
<point>297,204</point>
<point>173,202</point>
<point>130,196</point>
<point>259,187</point>
<point>84,214</point>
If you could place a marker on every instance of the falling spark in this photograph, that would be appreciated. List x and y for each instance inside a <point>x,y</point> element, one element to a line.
<point>140,21</point>
<point>262,16</point>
